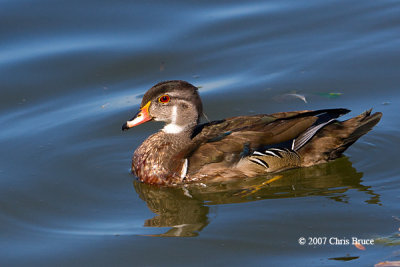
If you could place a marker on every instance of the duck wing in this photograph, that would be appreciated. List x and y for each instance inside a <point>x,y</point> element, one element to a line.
<point>222,144</point>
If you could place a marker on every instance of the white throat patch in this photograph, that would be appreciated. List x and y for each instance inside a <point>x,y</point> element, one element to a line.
<point>173,128</point>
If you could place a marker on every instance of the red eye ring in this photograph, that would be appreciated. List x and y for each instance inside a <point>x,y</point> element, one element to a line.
<point>164,99</point>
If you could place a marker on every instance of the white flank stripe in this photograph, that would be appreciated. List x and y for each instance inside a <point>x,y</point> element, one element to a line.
<point>256,160</point>
<point>271,153</point>
<point>277,149</point>
<point>184,169</point>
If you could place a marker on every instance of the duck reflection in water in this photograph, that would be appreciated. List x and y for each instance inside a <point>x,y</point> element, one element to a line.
<point>185,209</point>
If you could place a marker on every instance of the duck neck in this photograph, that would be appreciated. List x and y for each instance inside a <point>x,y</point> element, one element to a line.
<point>183,124</point>
<point>178,131</point>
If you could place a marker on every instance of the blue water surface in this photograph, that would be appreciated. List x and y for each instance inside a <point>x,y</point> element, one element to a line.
<point>73,72</point>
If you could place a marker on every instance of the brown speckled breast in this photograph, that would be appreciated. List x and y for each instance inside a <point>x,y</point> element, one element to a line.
<point>157,161</point>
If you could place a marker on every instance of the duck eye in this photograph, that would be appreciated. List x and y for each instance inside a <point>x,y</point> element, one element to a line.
<point>164,99</point>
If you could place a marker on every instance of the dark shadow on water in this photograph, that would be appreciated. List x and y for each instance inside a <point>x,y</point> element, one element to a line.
<point>186,215</point>
<point>185,208</point>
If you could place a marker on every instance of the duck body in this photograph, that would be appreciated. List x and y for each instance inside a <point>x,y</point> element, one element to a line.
<point>238,147</point>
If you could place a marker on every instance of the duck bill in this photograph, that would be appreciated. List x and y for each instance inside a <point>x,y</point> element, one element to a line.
<point>141,117</point>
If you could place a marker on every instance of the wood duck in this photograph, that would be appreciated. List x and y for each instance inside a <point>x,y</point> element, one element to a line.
<point>238,147</point>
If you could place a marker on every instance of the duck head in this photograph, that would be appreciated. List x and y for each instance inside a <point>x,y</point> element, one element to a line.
<point>177,103</point>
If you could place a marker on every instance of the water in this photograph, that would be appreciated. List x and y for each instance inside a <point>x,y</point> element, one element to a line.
<point>71,73</point>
